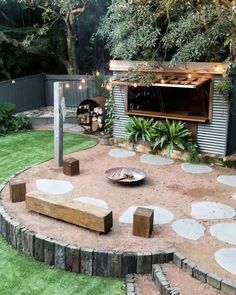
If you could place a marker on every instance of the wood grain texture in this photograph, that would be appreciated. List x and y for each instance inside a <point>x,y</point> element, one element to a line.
<point>143,222</point>
<point>17,190</point>
<point>88,216</point>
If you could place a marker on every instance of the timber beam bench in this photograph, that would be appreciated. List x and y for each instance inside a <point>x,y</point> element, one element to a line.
<point>84,215</point>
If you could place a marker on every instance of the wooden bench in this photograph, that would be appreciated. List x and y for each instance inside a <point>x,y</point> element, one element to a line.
<point>85,215</point>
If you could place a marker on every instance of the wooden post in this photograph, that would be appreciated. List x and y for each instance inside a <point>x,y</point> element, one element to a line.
<point>143,222</point>
<point>58,123</point>
<point>17,190</point>
<point>71,166</point>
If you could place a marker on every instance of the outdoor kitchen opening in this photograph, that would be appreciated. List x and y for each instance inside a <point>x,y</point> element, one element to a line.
<point>189,102</point>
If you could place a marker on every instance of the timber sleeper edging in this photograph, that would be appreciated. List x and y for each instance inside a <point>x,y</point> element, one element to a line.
<point>100,262</point>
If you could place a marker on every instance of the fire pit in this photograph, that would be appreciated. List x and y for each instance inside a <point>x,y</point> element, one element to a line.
<point>125,175</point>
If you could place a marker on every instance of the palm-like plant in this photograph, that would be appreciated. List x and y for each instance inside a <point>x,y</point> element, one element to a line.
<point>140,128</point>
<point>169,134</point>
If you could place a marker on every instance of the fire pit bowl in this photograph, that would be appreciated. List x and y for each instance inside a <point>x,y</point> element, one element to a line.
<point>125,175</point>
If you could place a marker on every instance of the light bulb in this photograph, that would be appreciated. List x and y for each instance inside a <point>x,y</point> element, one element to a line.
<point>189,76</point>
<point>80,87</point>
<point>97,73</point>
<point>162,81</point>
<point>108,87</point>
<point>135,84</point>
<point>67,85</point>
<point>83,81</point>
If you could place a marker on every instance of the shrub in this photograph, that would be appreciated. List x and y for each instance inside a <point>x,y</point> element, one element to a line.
<point>140,128</point>
<point>12,123</point>
<point>170,135</point>
<point>193,152</point>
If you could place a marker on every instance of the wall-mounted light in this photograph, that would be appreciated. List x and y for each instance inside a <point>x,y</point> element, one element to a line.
<point>13,82</point>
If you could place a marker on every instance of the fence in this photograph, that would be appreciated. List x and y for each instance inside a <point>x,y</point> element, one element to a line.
<point>36,91</point>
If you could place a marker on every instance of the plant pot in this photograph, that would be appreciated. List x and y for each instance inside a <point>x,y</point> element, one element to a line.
<point>104,140</point>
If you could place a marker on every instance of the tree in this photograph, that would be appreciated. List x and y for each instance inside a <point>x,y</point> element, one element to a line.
<point>194,30</point>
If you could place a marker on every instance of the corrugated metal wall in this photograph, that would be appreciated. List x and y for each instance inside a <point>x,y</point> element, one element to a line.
<point>212,137</point>
<point>26,93</point>
<point>119,109</point>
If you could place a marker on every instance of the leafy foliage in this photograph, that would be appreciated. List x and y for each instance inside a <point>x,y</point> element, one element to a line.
<point>193,152</point>
<point>9,122</point>
<point>170,135</point>
<point>179,31</point>
<point>140,128</point>
<point>110,116</point>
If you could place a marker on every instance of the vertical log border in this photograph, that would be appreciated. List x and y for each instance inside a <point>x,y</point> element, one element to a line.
<point>116,264</point>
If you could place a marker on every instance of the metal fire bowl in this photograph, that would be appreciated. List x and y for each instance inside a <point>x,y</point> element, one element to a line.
<point>114,175</point>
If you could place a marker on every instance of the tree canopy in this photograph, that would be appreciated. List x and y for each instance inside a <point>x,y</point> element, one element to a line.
<point>179,31</point>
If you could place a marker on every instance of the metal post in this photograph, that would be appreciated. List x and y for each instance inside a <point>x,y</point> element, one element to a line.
<point>58,124</point>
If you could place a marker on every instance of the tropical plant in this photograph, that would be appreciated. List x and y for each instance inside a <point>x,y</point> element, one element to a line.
<point>193,152</point>
<point>225,87</point>
<point>170,135</point>
<point>140,128</point>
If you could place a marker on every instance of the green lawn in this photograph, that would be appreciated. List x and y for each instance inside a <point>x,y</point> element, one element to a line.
<point>24,149</point>
<point>21,275</point>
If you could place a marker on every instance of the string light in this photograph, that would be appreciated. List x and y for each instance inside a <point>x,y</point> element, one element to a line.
<point>162,81</point>
<point>135,85</point>
<point>189,76</point>
<point>67,85</point>
<point>108,87</point>
<point>97,73</point>
<point>83,81</point>
<point>80,87</point>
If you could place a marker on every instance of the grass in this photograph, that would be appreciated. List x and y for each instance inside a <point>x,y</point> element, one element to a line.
<point>20,274</point>
<point>21,150</point>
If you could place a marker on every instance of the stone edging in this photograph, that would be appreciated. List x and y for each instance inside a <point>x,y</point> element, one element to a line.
<point>161,281</point>
<point>98,262</point>
<point>130,285</point>
<point>203,275</point>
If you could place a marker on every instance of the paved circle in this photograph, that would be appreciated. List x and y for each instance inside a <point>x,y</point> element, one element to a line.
<point>52,186</point>
<point>155,160</point>
<point>227,179</point>
<point>211,210</point>
<point>226,258</point>
<point>121,153</point>
<point>196,168</point>
<point>161,215</point>
<point>188,228</point>
<point>225,232</point>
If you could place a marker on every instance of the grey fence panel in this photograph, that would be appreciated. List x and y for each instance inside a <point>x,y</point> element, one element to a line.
<point>26,93</point>
<point>76,92</point>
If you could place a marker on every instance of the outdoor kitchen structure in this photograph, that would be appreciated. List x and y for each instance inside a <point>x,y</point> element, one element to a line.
<point>186,92</point>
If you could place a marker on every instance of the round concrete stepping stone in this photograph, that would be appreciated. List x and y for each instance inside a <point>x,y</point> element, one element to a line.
<point>188,228</point>
<point>233,197</point>
<point>155,160</point>
<point>196,168</point>
<point>55,187</point>
<point>121,153</point>
<point>92,201</point>
<point>227,179</point>
<point>211,210</point>
<point>161,215</point>
<point>225,232</point>
<point>226,258</point>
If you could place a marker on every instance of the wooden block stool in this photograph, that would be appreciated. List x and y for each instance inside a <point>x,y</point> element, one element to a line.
<point>71,166</point>
<point>143,222</point>
<point>17,190</point>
